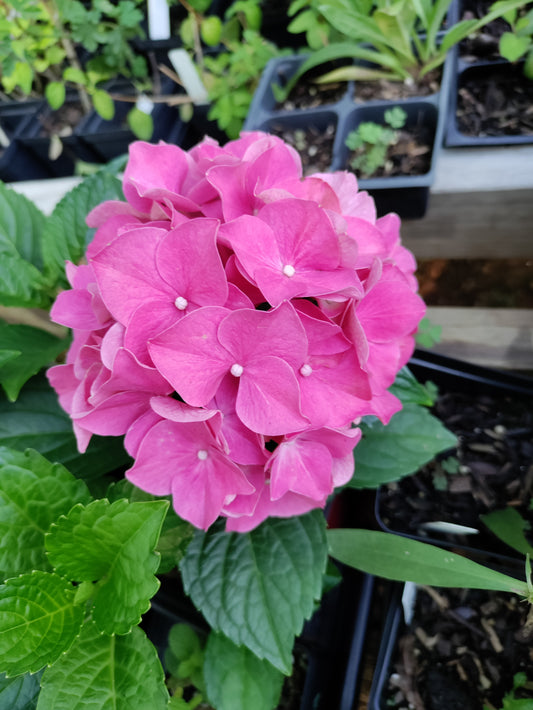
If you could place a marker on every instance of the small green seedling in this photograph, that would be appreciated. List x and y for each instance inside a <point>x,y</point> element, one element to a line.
<point>184,661</point>
<point>518,43</point>
<point>510,701</point>
<point>370,141</point>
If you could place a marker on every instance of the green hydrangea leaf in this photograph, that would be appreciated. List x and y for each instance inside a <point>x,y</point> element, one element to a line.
<point>407,388</point>
<point>38,621</point>
<point>112,544</point>
<point>66,234</point>
<point>37,421</point>
<point>20,693</point>
<point>258,587</point>
<point>21,226</point>
<point>236,679</point>
<point>36,348</point>
<point>33,494</point>
<point>388,452</point>
<point>102,672</point>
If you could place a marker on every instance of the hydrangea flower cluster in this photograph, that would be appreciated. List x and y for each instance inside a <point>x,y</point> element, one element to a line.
<point>234,321</point>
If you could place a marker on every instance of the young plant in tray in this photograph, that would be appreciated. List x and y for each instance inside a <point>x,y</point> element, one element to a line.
<point>197,417</point>
<point>371,141</point>
<point>398,41</point>
<point>40,45</point>
<point>517,44</point>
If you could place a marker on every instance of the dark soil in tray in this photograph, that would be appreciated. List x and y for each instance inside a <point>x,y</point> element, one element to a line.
<point>499,103</point>
<point>482,283</point>
<point>308,94</point>
<point>314,146</point>
<point>63,121</point>
<point>410,155</point>
<point>383,90</point>
<point>491,468</point>
<point>461,652</point>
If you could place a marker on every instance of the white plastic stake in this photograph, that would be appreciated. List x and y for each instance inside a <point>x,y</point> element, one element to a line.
<point>158,19</point>
<point>189,77</point>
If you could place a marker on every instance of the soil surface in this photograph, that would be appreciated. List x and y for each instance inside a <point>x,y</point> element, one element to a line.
<point>491,468</point>
<point>484,44</point>
<point>382,90</point>
<point>461,652</point>
<point>315,146</point>
<point>494,102</point>
<point>482,283</point>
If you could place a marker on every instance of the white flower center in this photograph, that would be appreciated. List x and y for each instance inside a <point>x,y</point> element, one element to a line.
<point>306,370</point>
<point>289,270</point>
<point>237,370</point>
<point>202,454</point>
<point>181,303</point>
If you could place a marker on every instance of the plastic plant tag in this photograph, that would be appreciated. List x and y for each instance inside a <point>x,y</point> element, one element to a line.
<point>145,104</point>
<point>408,601</point>
<point>451,528</point>
<point>158,19</point>
<point>190,79</point>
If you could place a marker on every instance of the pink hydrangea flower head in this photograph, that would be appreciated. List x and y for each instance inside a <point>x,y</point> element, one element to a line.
<point>233,322</point>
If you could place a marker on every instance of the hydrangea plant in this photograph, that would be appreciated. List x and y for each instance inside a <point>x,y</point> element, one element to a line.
<point>237,331</point>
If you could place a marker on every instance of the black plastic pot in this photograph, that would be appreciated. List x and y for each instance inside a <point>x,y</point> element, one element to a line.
<point>16,161</point>
<point>331,643</point>
<point>406,195</point>
<point>456,376</point>
<point>35,138</point>
<point>485,75</point>
<point>453,691</point>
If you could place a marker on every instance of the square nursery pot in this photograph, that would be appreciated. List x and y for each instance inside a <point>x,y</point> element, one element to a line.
<point>35,137</point>
<point>491,413</point>
<point>331,113</point>
<point>110,139</point>
<point>490,104</point>
<point>462,657</point>
<point>17,162</point>
<point>327,654</point>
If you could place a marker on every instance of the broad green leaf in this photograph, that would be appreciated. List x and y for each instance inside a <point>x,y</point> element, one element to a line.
<point>409,390</point>
<point>76,76</point>
<point>105,673</point>
<point>66,234</point>
<point>37,421</point>
<point>21,281</point>
<point>510,527</point>
<point>38,621</point>
<point>33,494</point>
<point>103,104</point>
<point>512,47</point>
<point>20,693</point>
<point>388,452</point>
<point>399,558</point>
<point>7,356</point>
<point>112,545</point>
<point>55,94</point>
<point>236,679</point>
<point>176,533</point>
<point>258,587</point>
<point>36,348</point>
<point>141,124</point>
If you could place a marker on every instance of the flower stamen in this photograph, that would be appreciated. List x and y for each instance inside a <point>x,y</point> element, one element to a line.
<point>181,303</point>
<point>236,369</point>
<point>289,270</point>
<point>306,370</point>
<point>202,454</point>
